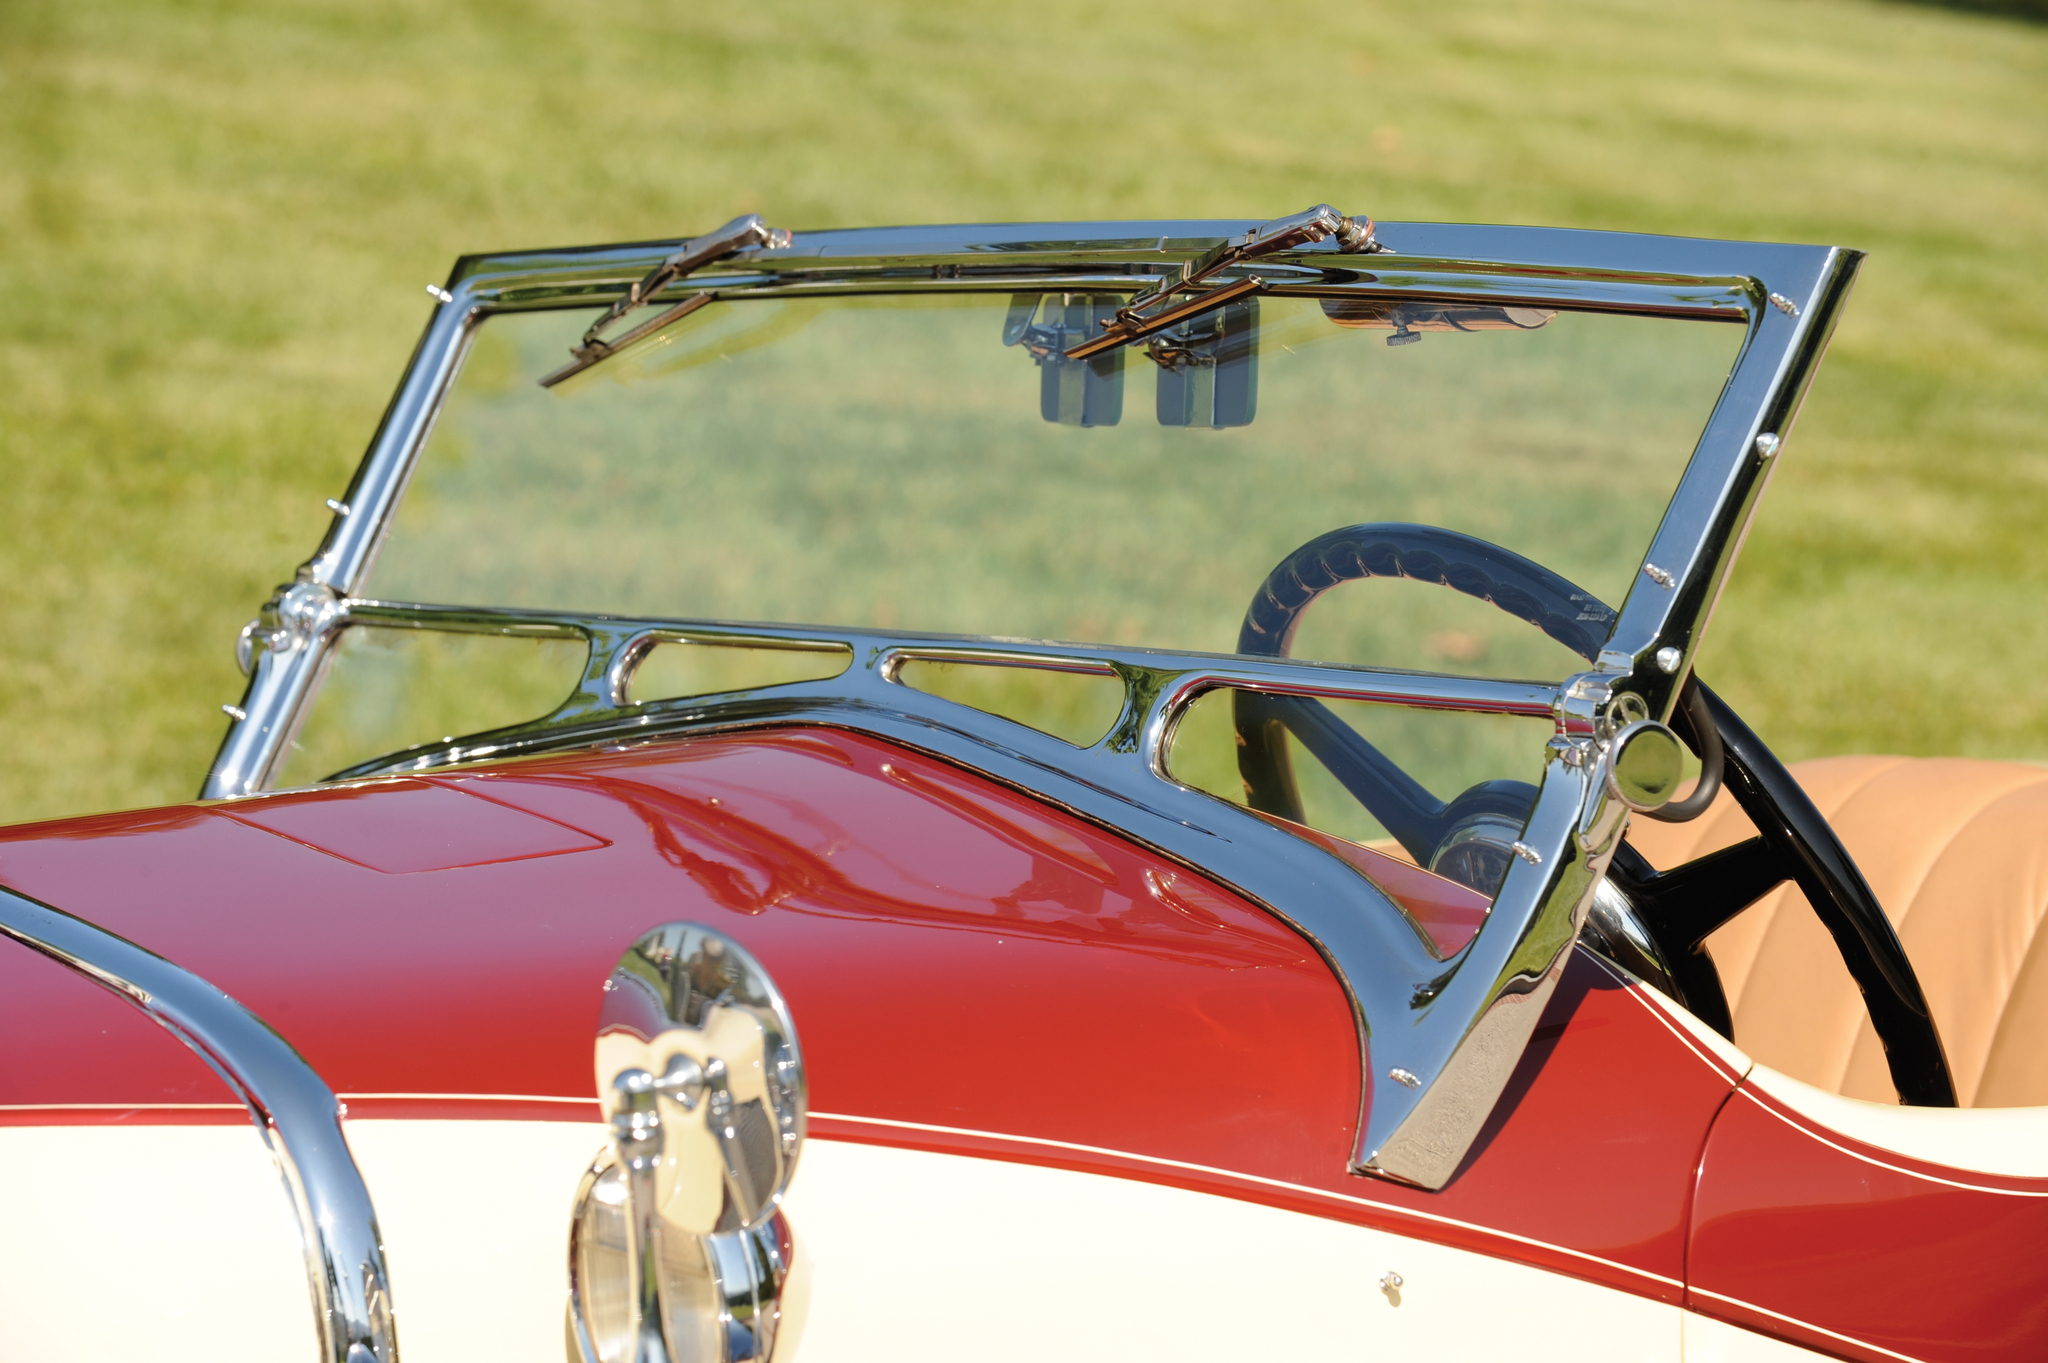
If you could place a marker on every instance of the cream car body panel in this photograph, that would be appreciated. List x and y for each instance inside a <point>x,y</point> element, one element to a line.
<point>913,1254</point>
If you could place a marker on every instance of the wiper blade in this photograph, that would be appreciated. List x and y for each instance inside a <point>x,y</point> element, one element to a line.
<point>738,235</point>
<point>1155,311</point>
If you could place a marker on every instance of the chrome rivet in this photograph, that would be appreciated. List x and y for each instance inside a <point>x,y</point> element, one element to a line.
<point>1668,659</point>
<point>440,294</point>
<point>1527,853</point>
<point>1659,576</point>
<point>1784,305</point>
<point>1405,1078</point>
<point>1767,444</point>
<point>338,508</point>
<point>234,712</point>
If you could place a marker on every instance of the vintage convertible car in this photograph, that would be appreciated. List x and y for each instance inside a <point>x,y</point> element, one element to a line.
<point>828,825</point>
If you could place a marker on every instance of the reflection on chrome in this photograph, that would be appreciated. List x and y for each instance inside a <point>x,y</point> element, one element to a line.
<point>292,1108</point>
<point>678,1252</point>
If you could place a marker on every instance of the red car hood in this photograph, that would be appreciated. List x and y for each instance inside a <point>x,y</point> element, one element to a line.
<point>969,969</point>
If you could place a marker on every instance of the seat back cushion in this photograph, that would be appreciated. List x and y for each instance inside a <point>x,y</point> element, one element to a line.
<point>1956,850</point>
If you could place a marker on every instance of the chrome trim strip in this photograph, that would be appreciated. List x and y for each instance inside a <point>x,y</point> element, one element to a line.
<point>294,1112</point>
<point>891,664</point>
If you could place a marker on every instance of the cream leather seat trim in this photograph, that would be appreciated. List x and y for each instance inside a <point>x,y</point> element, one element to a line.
<point>1956,851</point>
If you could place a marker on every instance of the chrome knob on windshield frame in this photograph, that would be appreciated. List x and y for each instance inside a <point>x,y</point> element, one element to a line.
<point>1644,765</point>
<point>678,1249</point>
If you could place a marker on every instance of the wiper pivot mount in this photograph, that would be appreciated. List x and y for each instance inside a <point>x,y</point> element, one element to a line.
<point>1154,311</point>
<point>738,235</point>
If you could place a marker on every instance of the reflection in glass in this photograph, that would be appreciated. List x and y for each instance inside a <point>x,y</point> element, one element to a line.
<point>674,670</point>
<point>1076,706</point>
<point>885,461</point>
<point>388,689</point>
<point>1436,835</point>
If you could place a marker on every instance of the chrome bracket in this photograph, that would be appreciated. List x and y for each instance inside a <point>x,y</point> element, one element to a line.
<point>1581,700</point>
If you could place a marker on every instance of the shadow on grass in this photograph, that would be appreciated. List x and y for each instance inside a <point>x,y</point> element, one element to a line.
<point>2029,11</point>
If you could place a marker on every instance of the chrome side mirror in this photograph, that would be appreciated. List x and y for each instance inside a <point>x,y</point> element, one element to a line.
<point>678,1249</point>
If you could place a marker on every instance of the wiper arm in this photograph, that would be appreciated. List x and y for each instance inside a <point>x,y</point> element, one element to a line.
<point>1154,311</point>
<point>736,236</point>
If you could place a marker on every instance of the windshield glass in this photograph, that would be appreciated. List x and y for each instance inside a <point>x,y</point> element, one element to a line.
<point>908,462</point>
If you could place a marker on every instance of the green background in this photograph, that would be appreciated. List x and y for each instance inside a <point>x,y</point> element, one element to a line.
<point>216,222</point>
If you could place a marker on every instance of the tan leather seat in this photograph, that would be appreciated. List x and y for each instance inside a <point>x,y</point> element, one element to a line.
<point>1957,853</point>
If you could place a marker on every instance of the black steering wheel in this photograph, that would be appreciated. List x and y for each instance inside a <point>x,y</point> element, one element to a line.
<point>1678,908</point>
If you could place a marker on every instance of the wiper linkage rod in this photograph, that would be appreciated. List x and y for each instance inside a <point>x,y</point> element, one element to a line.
<point>1137,319</point>
<point>736,236</point>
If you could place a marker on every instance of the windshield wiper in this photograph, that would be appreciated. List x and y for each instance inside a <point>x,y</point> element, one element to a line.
<point>1155,311</point>
<point>736,236</point>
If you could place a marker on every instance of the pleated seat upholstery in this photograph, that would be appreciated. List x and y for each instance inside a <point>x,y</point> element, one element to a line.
<point>1957,852</point>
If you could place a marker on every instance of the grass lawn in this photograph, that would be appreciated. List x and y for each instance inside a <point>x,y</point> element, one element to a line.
<point>216,221</point>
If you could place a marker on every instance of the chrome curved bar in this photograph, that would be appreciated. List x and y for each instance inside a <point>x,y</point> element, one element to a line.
<point>294,1111</point>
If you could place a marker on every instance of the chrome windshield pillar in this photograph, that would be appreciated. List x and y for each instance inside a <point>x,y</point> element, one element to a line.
<point>294,1111</point>
<point>285,649</point>
<point>1666,612</point>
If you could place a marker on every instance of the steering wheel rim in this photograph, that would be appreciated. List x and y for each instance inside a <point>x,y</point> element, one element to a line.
<point>1421,553</point>
<point>1679,907</point>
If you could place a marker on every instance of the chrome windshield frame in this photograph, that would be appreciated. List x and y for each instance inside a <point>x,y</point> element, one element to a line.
<point>1447,1033</point>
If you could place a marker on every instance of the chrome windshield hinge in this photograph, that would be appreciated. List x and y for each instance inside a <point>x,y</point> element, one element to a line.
<point>1581,702</point>
<point>297,615</point>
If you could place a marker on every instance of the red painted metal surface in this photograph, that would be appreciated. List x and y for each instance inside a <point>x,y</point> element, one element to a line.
<point>414,826</point>
<point>1836,1245</point>
<point>1448,913</point>
<point>969,970</point>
